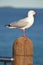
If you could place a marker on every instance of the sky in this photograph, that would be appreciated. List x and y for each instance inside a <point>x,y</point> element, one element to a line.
<point>22,3</point>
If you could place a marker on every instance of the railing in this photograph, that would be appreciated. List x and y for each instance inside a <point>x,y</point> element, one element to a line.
<point>6,60</point>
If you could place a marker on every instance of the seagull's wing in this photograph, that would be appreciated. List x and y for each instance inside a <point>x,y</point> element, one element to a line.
<point>19,24</point>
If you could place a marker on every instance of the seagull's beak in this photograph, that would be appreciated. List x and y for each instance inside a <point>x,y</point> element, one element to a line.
<point>35,12</point>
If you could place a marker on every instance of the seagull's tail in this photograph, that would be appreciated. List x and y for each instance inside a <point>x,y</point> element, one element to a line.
<point>9,26</point>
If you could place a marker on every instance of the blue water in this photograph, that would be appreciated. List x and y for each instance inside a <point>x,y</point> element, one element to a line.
<point>7,36</point>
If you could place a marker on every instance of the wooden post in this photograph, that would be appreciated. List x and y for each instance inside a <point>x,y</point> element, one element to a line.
<point>23,51</point>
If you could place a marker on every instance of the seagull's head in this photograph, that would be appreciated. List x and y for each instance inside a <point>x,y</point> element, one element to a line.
<point>31,12</point>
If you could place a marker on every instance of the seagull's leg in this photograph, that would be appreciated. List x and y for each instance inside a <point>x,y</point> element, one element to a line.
<point>24,34</point>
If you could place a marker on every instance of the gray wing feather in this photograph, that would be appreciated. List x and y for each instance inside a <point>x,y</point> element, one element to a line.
<point>19,24</point>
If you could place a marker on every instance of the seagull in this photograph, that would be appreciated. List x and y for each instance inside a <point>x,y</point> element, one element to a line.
<point>24,23</point>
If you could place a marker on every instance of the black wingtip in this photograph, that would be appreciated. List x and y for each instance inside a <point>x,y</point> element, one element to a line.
<point>7,25</point>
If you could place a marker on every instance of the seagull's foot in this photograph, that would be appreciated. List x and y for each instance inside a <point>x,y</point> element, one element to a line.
<point>25,37</point>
